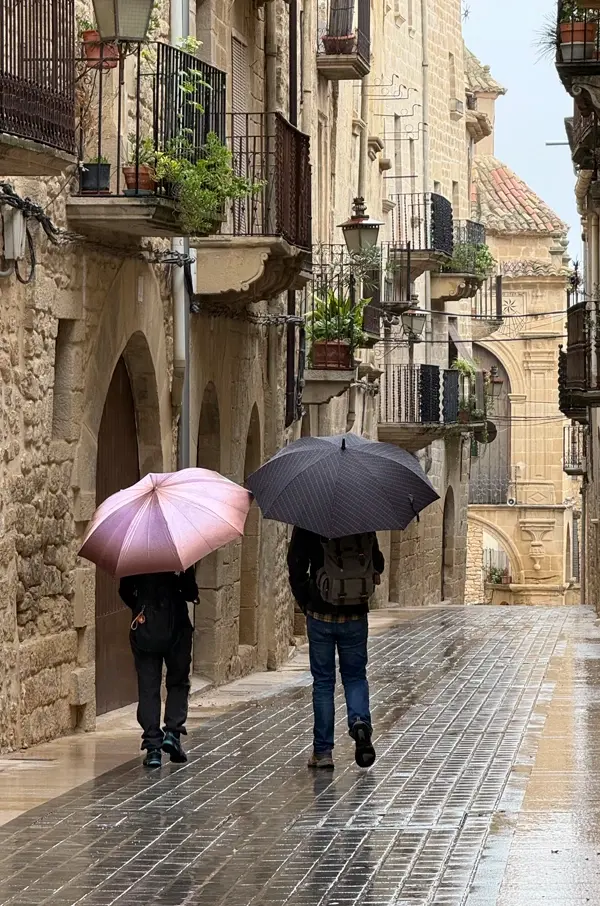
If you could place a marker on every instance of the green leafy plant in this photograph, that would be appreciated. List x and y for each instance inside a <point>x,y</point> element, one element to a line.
<point>84,24</point>
<point>98,160</point>
<point>470,258</point>
<point>464,367</point>
<point>142,152</point>
<point>202,187</point>
<point>495,575</point>
<point>335,317</point>
<point>189,45</point>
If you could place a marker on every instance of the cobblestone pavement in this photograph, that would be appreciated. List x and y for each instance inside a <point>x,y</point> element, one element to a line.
<point>460,702</point>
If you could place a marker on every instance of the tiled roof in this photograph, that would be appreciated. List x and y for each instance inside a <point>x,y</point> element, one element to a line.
<point>503,202</point>
<point>479,77</point>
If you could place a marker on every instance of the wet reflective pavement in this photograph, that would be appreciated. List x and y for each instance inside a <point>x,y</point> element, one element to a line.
<point>485,790</point>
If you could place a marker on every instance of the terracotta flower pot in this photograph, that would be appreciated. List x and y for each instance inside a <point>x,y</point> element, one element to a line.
<point>464,416</point>
<point>143,180</point>
<point>331,354</point>
<point>335,44</point>
<point>506,580</point>
<point>99,55</point>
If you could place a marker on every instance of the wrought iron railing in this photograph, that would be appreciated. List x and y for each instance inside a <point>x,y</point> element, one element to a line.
<point>578,349</point>
<point>490,490</point>
<point>178,101</point>
<point>487,302</point>
<point>577,38</point>
<point>37,71</point>
<point>345,28</point>
<point>575,449</point>
<point>583,126</point>
<point>418,394</point>
<point>423,222</point>
<point>469,239</point>
<point>372,320</point>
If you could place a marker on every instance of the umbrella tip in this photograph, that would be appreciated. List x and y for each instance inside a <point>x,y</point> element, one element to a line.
<point>343,443</point>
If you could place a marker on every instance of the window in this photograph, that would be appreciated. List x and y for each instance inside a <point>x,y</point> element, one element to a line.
<point>65,358</point>
<point>437,187</point>
<point>412,160</point>
<point>398,151</point>
<point>240,72</point>
<point>455,199</point>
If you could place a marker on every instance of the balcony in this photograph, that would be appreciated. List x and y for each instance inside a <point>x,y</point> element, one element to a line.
<point>578,53</point>
<point>486,308</point>
<point>422,235</point>
<point>462,276</point>
<point>263,247</point>
<point>344,36</point>
<point>418,404</point>
<point>575,450</point>
<point>37,87</point>
<point>178,104</point>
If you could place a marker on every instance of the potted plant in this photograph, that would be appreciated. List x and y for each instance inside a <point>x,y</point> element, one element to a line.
<point>139,171</point>
<point>577,32</point>
<point>94,177</point>
<point>506,578</point>
<point>495,575</point>
<point>469,258</point>
<point>99,54</point>
<point>334,329</point>
<point>202,187</point>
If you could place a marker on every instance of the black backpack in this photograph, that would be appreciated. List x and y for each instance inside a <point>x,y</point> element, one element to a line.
<point>155,623</point>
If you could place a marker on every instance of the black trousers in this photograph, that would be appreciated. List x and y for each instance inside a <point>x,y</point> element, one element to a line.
<point>177,659</point>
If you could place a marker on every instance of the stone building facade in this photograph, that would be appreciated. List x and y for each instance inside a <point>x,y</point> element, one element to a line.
<point>92,385</point>
<point>521,504</point>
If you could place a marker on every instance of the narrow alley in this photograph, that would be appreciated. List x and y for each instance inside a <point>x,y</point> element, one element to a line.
<point>483,791</point>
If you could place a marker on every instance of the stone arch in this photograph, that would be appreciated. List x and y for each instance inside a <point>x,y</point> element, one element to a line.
<point>509,361</point>
<point>250,565</point>
<point>448,549</point>
<point>135,332</point>
<point>510,548</point>
<point>209,573</point>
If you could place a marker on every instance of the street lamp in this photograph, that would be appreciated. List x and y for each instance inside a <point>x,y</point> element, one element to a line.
<point>413,325</point>
<point>123,20</point>
<point>360,231</point>
<point>496,383</point>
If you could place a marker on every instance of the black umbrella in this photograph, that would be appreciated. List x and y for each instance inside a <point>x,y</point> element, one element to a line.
<point>342,485</point>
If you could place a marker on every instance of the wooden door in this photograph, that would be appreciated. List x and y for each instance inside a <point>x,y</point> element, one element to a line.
<point>117,468</point>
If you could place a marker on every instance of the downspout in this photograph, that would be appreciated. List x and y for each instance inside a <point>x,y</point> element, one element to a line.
<point>425,90</point>
<point>290,378</point>
<point>181,310</point>
<point>271,106</point>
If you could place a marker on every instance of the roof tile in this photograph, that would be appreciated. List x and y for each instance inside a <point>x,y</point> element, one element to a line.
<point>504,203</point>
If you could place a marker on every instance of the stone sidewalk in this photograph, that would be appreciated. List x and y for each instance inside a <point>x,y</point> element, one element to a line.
<point>464,700</point>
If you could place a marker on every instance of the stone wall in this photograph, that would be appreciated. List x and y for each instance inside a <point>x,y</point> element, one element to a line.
<point>474,587</point>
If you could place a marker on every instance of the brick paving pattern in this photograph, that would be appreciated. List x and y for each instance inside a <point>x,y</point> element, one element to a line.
<point>244,823</point>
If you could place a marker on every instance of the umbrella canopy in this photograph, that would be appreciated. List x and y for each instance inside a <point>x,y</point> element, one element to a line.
<point>166,522</point>
<point>342,485</point>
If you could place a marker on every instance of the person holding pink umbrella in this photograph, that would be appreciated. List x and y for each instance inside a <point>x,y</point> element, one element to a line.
<point>150,536</point>
<point>161,632</point>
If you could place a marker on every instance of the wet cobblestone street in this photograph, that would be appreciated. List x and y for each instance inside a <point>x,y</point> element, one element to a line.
<point>461,698</point>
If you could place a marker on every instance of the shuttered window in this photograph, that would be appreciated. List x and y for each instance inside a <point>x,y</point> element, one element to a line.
<point>240,76</point>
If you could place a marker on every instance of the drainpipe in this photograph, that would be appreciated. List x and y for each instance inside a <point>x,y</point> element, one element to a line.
<point>583,540</point>
<point>425,91</point>
<point>181,310</point>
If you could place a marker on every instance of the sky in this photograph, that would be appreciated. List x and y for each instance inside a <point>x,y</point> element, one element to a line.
<point>503,35</point>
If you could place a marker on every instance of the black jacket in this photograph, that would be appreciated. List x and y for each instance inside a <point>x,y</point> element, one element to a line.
<point>135,591</point>
<point>305,559</point>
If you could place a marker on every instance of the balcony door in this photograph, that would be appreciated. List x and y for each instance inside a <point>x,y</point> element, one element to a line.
<point>490,463</point>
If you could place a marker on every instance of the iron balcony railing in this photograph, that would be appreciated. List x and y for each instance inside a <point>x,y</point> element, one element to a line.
<point>468,240</point>
<point>423,223</point>
<point>419,394</point>
<point>575,449</point>
<point>577,40</point>
<point>578,349</point>
<point>487,302</point>
<point>178,101</point>
<point>345,28</point>
<point>267,149</point>
<point>489,490</point>
<point>583,136</point>
<point>37,71</point>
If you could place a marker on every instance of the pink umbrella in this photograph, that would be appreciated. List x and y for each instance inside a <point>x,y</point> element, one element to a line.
<point>166,522</point>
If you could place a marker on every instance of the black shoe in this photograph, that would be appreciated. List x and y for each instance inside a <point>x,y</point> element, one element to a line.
<point>364,754</point>
<point>172,746</point>
<point>153,758</point>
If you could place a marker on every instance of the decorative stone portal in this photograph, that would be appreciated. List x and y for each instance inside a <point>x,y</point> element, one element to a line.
<point>249,583</point>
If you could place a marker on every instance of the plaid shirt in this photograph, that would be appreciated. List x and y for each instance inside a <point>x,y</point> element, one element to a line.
<point>335,617</point>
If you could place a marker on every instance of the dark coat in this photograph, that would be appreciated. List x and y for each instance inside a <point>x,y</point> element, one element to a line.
<point>136,591</point>
<point>305,558</point>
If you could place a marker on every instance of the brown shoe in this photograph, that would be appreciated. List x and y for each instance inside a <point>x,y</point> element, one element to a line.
<point>323,760</point>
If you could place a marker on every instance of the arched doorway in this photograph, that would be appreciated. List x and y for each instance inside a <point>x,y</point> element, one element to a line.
<point>447,577</point>
<point>117,467</point>
<point>249,580</point>
<point>208,456</point>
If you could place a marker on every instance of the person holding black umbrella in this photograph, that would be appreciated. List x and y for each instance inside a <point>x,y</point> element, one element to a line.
<point>333,581</point>
<point>338,491</point>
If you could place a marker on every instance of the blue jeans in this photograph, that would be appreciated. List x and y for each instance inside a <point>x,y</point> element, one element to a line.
<point>351,642</point>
